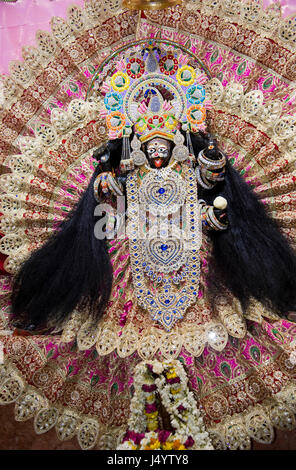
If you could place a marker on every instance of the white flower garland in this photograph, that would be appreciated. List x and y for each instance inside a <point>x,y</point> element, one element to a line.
<point>171,385</point>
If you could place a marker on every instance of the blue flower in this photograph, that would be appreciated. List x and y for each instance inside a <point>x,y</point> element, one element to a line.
<point>113,101</point>
<point>196,94</point>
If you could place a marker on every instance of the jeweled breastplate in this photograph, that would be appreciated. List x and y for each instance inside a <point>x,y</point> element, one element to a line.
<point>164,229</point>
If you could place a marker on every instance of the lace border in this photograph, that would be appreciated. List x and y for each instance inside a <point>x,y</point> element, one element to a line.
<point>235,432</point>
<point>32,403</point>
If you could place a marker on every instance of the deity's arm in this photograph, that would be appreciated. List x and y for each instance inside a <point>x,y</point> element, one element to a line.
<point>107,180</point>
<point>212,217</point>
<point>210,167</point>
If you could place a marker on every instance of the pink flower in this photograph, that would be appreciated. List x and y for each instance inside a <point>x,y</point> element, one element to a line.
<point>163,436</point>
<point>120,65</point>
<point>114,135</point>
<point>142,108</point>
<point>202,78</point>
<point>127,307</point>
<point>103,113</point>
<point>175,380</point>
<point>150,408</point>
<point>148,388</point>
<point>105,87</point>
<point>167,106</point>
<point>136,437</point>
<point>181,408</point>
<point>183,59</point>
<point>208,104</point>
<point>189,442</point>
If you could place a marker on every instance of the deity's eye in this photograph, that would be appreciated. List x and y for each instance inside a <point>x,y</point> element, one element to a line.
<point>151,150</point>
<point>163,150</point>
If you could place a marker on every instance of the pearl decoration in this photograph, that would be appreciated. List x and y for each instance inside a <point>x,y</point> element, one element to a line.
<point>220,202</point>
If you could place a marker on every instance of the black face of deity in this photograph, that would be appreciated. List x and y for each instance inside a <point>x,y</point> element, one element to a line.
<point>158,152</point>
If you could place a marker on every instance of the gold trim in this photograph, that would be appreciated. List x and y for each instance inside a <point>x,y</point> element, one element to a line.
<point>150,4</point>
<point>273,412</point>
<point>156,133</point>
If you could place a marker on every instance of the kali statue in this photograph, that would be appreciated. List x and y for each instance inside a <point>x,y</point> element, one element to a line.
<point>161,326</point>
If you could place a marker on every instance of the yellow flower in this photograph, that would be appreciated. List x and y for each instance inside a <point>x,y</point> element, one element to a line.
<point>171,122</point>
<point>186,75</point>
<point>150,398</point>
<point>132,446</point>
<point>155,445</point>
<point>141,125</point>
<point>152,415</point>
<point>120,81</point>
<point>174,392</point>
<point>171,376</point>
<point>168,446</point>
<point>176,444</point>
<point>152,426</point>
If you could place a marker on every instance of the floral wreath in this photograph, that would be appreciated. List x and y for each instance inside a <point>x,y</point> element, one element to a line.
<point>166,382</point>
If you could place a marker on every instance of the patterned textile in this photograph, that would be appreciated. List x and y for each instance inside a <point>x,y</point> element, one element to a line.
<point>81,380</point>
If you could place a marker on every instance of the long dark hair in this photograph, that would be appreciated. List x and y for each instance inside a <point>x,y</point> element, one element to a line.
<point>71,269</point>
<point>252,258</point>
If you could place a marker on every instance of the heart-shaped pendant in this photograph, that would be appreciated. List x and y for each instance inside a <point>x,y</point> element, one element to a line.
<point>164,256</point>
<point>162,192</point>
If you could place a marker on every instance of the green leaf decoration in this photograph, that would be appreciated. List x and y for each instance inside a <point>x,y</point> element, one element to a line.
<point>214,56</point>
<point>50,354</point>
<point>256,354</point>
<point>226,370</point>
<point>74,346</point>
<point>267,83</point>
<point>220,76</point>
<point>199,382</point>
<point>94,380</point>
<point>94,354</point>
<point>114,387</point>
<point>242,67</point>
<point>91,69</point>
<point>277,334</point>
<point>73,87</point>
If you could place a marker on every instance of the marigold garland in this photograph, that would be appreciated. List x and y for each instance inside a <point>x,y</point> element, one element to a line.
<point>165,381</point>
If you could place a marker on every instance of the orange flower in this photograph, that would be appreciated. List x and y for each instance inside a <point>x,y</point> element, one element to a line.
<point>177,444</point>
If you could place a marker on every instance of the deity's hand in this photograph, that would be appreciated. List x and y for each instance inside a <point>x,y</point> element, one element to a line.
<point>220,205</point>
<point>214,217</point>
<point>106,184</point>
<point>221,215</point>
<point>211,151</point>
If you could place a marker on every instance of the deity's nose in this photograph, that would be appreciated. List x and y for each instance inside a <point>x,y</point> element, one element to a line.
<point>156,154</point>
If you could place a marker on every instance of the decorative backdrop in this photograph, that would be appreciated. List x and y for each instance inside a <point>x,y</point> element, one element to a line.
<point>47,136</point>
<point>20,21</point>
